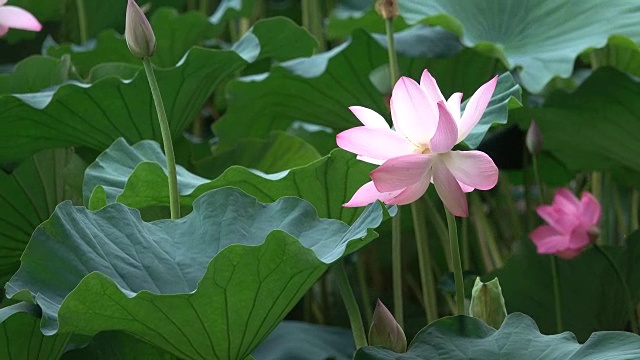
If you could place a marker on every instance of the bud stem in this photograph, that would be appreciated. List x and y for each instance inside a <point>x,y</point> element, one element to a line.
<point>391,50</point>
<point>82,21</point>
<point>455,259</point>
<point>174,201</point>
<point>355,318</point>
<point>396,268</point>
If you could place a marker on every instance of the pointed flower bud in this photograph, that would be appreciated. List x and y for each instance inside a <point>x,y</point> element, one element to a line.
<point>487,303</point>
<point>138,32</point>
<point>385,330</point>
<point>388,9</point>
<point>534,138</point>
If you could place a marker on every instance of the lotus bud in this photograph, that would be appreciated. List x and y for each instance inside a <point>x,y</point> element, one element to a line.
<point>388,9</point>
<point>138,32</point>
<point>385,330</point>
<point>534,138</point>
<point>487,303</point>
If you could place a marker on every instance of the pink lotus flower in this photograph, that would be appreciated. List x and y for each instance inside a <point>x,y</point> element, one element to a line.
<point>16,18</point>
<point>572,224</point>
<point>419,151</point>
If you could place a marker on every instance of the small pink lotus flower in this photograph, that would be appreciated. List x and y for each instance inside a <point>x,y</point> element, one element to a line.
<point>572,224</point>
<point>16,18</point>
<point>419,151</point>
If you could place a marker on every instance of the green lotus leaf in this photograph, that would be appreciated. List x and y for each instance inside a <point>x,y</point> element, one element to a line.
<point>135,176</point>
<point>578,128</point>
<point>111,345</point>
<point>533,37</point>
<point>29,195</point>
<point>21,338</point>
<point>94,115</point>
<point>208,286</point>
<point>319,90</point>
<point>463,337</point>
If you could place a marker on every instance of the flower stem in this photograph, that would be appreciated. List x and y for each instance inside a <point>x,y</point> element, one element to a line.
<point>632,310</point>
<point>457,266</point>
<point>427,279</point>
<point>82,21</point>
<point>352,306</point>
<point>635,200</point>
<point>174,201</point>
<point>364,289</point>
<point>204,7</point>
<point>536,174</point>
<point>556,292</point>
<point>394,70</point>
<point>396,268</point>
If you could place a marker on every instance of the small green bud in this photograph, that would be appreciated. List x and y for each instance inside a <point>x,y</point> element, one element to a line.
<point>487,303</point>
<point>534,138</point>
<point>138,32</point>
<point>385,330</point>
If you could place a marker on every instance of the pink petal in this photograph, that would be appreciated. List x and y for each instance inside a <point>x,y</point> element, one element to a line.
<point>548,240</point>
<point>579,239</point>
<point>591,211</point>
<point>402,171</point>
<point>2,2</point>
<point>430,86</point>
<point>561,220</point>
<point>568,254</point>
<point>449,190</point>
<point>17,18</point>
<point>453,104</point>
<point>466,188</point>
<point>367,194</point>
<point>376,143</point>
<point>369,117</point>
<point>3,30</point>
<point>566,200</point>
<point>446,135</point>
<point>473,168</point>
<point>370,160</point>
<point>412,114</point>
<point>412,193</point>
<point>475,108</point>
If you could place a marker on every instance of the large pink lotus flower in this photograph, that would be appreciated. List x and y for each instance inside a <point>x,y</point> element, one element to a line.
<point>419,151</point>
<point>16,18</point>
<point>572,224</point>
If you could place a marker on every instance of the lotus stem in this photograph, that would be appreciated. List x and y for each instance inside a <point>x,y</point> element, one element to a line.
<point>355,318</point>
<point>457,265</point>
<point>557,297</point>
<point>396,268</point>
<point>82,21</point>
<point>427,279</point>
<point>174,200</point>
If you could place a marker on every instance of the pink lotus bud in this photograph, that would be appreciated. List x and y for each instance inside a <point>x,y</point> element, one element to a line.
<point>138,32</point>
<point>534,138</point>
<point>385,330</point>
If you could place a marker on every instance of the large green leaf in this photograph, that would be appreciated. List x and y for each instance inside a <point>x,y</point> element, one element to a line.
<point>111,345</point>
<point>29,195</point>
<point>304,341</point>
<point>94,115</point>
<point>135,176</point>
<point>211,285</point>
<point>320,89</point>
<point>530,36</point>
<point>585,306</point>
<point>21,338</point>
<point>34,74</point>
<point>175,35</point>
<point>463,337</point>
<point>594,128</point>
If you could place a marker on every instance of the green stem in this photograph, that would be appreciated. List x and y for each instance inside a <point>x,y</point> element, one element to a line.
<point>364,289</point>
<point>312,21</point>
<point>396,268</point>
<point>632,310</point>
<point>427,279</point>
<point>352,306</point>
<point>556,292</point>
<point>174,200</point>
<point>536,174</point>
<point>435,220</point>
<point>82,21</point>
<point>455,258</point>
<point>635,200</point>
<point>204,7</point>
<point>394,70</point>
